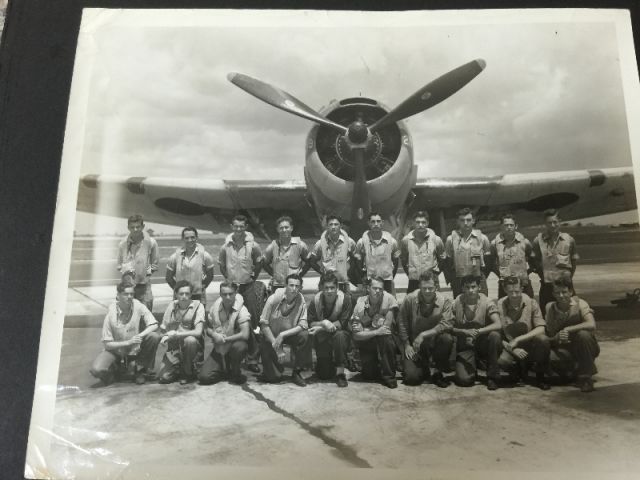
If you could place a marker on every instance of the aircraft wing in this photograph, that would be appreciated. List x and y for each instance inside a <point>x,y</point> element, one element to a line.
<point>203,203</point>
<point>577,193</point>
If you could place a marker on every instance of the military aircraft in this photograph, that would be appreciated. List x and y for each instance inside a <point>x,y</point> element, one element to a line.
<point>359,158</point>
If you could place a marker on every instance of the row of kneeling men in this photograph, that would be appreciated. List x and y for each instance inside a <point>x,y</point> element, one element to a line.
<point>427,336</point>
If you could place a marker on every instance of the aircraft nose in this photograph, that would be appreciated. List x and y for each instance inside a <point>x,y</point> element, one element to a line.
<point>357,132</point>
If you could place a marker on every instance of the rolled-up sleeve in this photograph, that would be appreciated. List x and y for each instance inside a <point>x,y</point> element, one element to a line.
<point>302,316</point>
<point>404,317</point>
<point>266,312</point>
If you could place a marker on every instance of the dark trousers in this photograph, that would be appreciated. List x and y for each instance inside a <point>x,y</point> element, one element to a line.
<point>254,295</point>
<point>438,349</point>
<point>576,357</point>
<point>415,284</point>
<point>218,367</point>
<point>545,296</point>
<point>180,359</point>
<point>331,352</point>
<point>271,366</point>
<point>528,289</point>
<point>378,357</point>
<point>143,293</point>
<point>106,363</point>
<point>487,347</point>
<point>537,348</point>
<point>456,286</point>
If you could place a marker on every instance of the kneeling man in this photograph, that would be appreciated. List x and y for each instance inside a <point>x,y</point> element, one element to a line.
<point>124,339</point>
<point>329,313</point>
<point>524,330</point>
<point>182,327</point>
<point>284,320</point>
<point>371,324</point>
<point>425,317</point>
<point>228,326</point>
<point>477,328</point>
<point>571,327</point>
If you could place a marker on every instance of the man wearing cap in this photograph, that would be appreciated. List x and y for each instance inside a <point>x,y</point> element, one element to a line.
<point>424,321</point>
<point>555,255</point>
<point>371,323</point>
<point>192,263</point>
<point>285,255</point>
<point>511,254</point>
<point>468,253</point>
<point>378,253</point>
<point>328,317</point>
<point>421,250</point>
<point>228,325</point>
<point>138,259</point>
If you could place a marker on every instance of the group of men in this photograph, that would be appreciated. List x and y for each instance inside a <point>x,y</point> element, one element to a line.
<point>438,339</point>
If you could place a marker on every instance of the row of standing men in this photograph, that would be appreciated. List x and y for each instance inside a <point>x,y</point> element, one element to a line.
<point>466,259</point>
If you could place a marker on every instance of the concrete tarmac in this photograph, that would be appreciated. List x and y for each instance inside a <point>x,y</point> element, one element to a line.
<point>127,428</point>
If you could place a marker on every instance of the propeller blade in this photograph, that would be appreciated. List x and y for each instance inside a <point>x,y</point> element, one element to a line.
<point>433,93</point>
<point>360,204</point>
<point>280,99</point>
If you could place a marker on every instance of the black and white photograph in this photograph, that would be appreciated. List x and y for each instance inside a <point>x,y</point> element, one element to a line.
<point>331,243</point>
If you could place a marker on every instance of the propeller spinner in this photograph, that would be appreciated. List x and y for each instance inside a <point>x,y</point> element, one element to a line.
<point>358,137</point>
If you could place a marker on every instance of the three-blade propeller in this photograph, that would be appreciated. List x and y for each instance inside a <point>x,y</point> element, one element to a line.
<point>359,135</point>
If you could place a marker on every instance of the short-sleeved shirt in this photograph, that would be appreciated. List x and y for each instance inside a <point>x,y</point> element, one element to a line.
<point>468,253</point>
<point>556,257</point>
<point>286,260</point>
<point>335,256</point>
<point>557,319</point>
<point>238,262</point>
<point>280,316</point>
<point>368,317</point>
<point>120,326</point>
<point>476,316</point>
<point>183,320</point>
<point>191,268</point>
<point>417,316</point>
<point>511,257</point>
<point>227,324</point>
<point>136,258</point>
<point>520,320</point>
<point>378,255</point>
<point>420,257</point>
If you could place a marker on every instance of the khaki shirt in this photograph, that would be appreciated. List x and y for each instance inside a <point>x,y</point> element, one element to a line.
<point>285,261</point>
<point>556,257</point>
<point>335,256</point>
<point>191,268</point>
<point>416,316</point>
<point>225,324</point>
<point>237,264</point>
<point>136,258</point>
<point>558,320</point>
<point>378,255</point>
<point>420,258</point>
<point>118,327</point>
<point>521,320</point>
<point>366,317</point>
<point>511,258</point>
<point>468,253</point>
<point>276,316</point>
<point>466,318</point>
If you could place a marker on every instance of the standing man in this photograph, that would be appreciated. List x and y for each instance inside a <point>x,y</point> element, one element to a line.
<point>511,254</point>
<point>329,314</point>
<point>571,327</point>
<point>192,263</point>
<point>524,330</point>
<point>378,253</point>
<point>468,251</point>
<point>240,263</point>
<point>182,327</point>
<point>371,323</point>
<point>138,259</point>
<point>228,326</point>
<point>285,255</point>
<point>421,250</point>
<point>124,340</point>
<point>478,331</point>
<point>335,251</point>
<point>425,317</point>
<point>284,320</point>
<point>555,254</point>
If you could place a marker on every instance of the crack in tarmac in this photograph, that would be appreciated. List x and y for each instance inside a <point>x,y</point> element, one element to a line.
<point>344,451</point>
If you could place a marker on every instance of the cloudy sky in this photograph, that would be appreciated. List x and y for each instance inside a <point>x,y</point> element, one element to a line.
<point>159,102</point>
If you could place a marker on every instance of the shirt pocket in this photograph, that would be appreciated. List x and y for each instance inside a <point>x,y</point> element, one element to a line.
<point>563,260</point>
